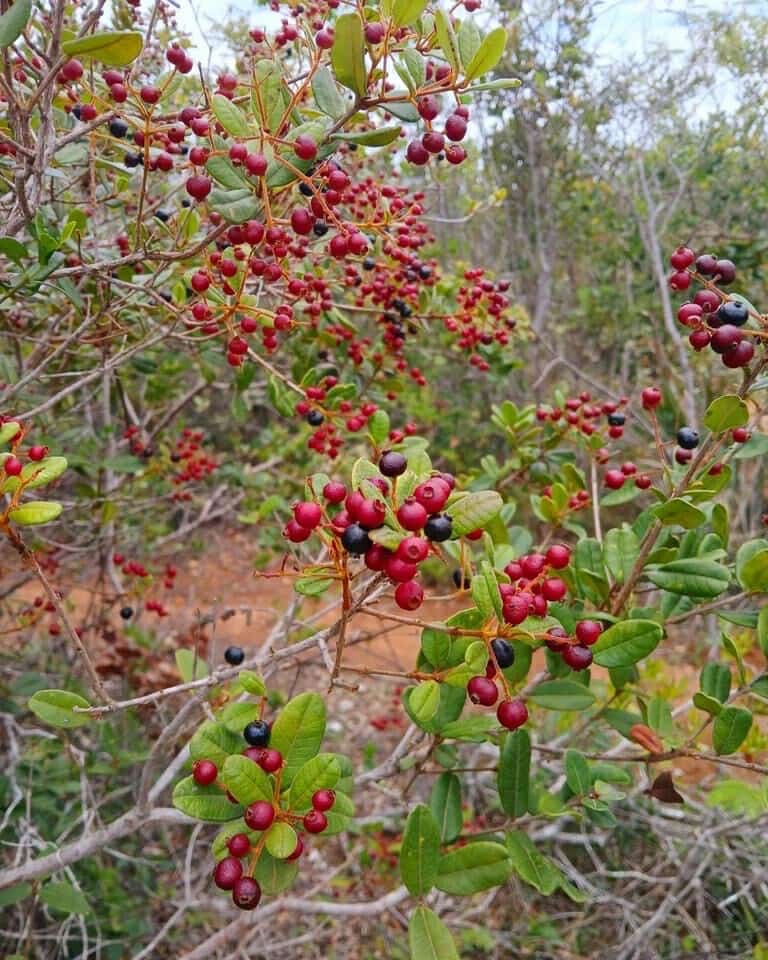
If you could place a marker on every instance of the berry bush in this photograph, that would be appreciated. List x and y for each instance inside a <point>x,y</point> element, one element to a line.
<point>225,310</point>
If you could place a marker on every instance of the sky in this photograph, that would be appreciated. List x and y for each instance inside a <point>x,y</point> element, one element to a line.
<point>622,26</point>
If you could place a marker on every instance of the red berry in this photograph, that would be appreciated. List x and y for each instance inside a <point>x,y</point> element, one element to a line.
<point>204,772</point>
<point>376,557</point>
<point>315,821</point>
<point>553,589</point>
<point>483,691</point>
<point>512,714</point>
<point>399,570</point>
<point>299,848</point>
<point>680,280</point>
<point>246,893</point>
<point>516,609</point>
<point>334,492</point>
<point>532,564</point>
<point>411,514</point>
<point>13,466</point>
<point>409,595</point>
<point>651,397</point>
<point>413,549</point>
<point>643,482</point>
<point>270,760</point>
<point>259,815</point>
<point>587,632</point>
<point>741,435</point>
<point>558,556</point>
<point>682,257</point>
<point>307,514</point>
<point>198,187</point>
<point>72,70</point>
<point>323,800</point>
<point>614,479</point>
<point>239,845</point>
<point>228,871</point>
<point>305,147</point>
<point>295,532</point>
<point>577,657</point>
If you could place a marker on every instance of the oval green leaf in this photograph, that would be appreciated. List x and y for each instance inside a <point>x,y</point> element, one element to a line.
<point>478,866</point>
<point>55,707</point>
<point>420,851</point>
<point>280,840</point>
<point>13,21</point>
<point>348,54</point>
<point>624,643</point>
<point>298,732</point>
<point>245,780</point>
<point>114,48</point>
<point>562,695</point>
<point>730,729</point>
<point>514,772</point>
<point>35,512</point>
<point>320,773</point>
<point>725,413</point>
<point>429,938</point>
<point>488,54</point>
<point>204,803</point>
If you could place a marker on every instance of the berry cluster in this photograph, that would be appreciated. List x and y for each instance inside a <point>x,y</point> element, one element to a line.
<point>581,413</point>
<point>532,587</point>
<point>436,143</point>
<point>714,318</point>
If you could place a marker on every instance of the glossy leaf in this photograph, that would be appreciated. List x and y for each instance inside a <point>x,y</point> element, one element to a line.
<point>531,865</point>
<point>280,840</point>
<point>64,897</point>
<point>562,695</point>
<point>446,37</point>
<point>113,48</point>
<point>13,21</point>
<point>273,875</point>
<point>475,867</point>
<point>473,511</point>
<point>245,780</point>
<point>327,96</point>
<point>204,803</point>
<point>725,413</point>
<point>678,512</point>
<point>626,642</point>
<point>488,54</point>
<point>320,773</point>
<point>702,579</point>
<point>35,512</point>
<point>420,851</point>
<point>577,772</point>
<point>406,12</point>
<point>298,732</point>
<point>514,771</point>
<point>429,938</point>
<point>445,803</point>
<point>230,116</point>
<point>730,729</point>
<point>55,708</point>
<point>347,54</point>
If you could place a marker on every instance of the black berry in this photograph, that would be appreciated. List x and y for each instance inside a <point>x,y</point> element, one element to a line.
<point>687,438</point>
<point>732,312</point>
<point>126,613</point>
<point>118,128</point>
<point>355,540</point>
<point>438,528</point>
<point>314,418</point>
<point>502,650</point>
<point>460,581</point>
<point>234,656</point>
<point>392,464</point>
<point>616,419</point>
<point>257,733</point>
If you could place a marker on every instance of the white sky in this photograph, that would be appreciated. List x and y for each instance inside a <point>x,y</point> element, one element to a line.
<point>623,26</point>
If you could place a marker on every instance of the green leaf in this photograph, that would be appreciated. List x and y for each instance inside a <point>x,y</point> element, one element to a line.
<point>230,116</point>
<point>236,206</point>
<point>436,647</point>
<point>425,700</point>
<point>320,773</point>
<point>700,579</point>
<point>280,840</point>
<point>274,876</point>
<point>762,629</point>
<point>447,40</point>
<point>429,938</point>
<point>14,894</point>
<point>715,681</point>
<point>246,781</point>
<point>660,717</point>
<point>35,512</point>
<point>38,474</point>
<point>725,413</point>
<point>55,707</point>
<point>445,803</point>
<point>475,727</point>
<point>753,574</point>
<point>252,683</point>
<point>8,431</point>
<point>327,96</point>
<point>205,803</point>
<point>298,732</point>
<point>730,729</point>
<point>562,695</point>
<point>514,772</point>
<point>420,851</point>
<point>224,172</point>
<point>213,741</point>
<point>577,772</point>
<point>621,547</point>
<point>488,54</point>
<point>474,511</point>
<point>13,21</point>
<point>348,54</point>
<point>378,427</point>
<point>678,512</point>
<point>531,865</point>
<point>190,666</point>
<point>469,39</point>
<point>406,12</point>
<point>478,866</point>
<point>113,48</point>
<point>370,138</point>
<point>706,703</point>
<point>626,642</point>
<point>64,898</point>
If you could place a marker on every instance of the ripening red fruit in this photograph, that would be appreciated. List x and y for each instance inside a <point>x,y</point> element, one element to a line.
<point>409,595</point>
<point>680,280</point>
<point>515,609</point>
<point>643,482</point>
<point>682,257</point>
<point>315,821</point>
<point>39,453</point>
<point>149,94</point>
<point>334,491</point>
<point>532,564</point>
<point>411,514</point>
<point>305,147</point>
<point>558,556</point>
<point>553,589</point>
<point>483,691</point>
<point>512,714</point>
<point>323,800</point>
<point>588,631</point>
<point>399,570</point>
<point>227,872</point>
<point>204,772</point>
<point>13,466</point>
<point>614,479</point>
<point>256,164</point>
<point>741,435</point>
<point>413,549</point>
<point>295,532</point>
<point>72,70</point>
<point>307,514</point>
<point>432,494</point>
<point>198,187</point>
<point>239,845</point>
<point>259,815</point>
<point>416,153</point>
<point>246,893</point>
<point>577,657</point>
<point>455,127</point>
<point>651,397</point>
